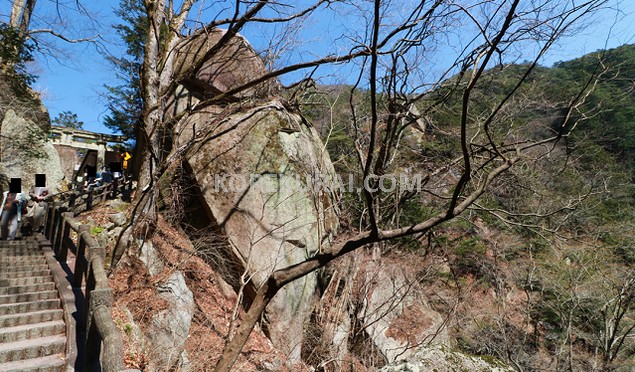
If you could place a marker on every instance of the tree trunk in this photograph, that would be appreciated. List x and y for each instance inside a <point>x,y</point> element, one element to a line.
<point>21,12</point>
<point>17,8</point>
<point>26,17</point>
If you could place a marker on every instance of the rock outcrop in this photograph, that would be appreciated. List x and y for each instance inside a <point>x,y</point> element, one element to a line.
<point>169,328</point>
<point>263,176</point>
<point>443,360</point>
<point>256,189</point>
<point>206,68</point>
<point>374,310</point>
<point>394,313</point>
<point>24,149</point>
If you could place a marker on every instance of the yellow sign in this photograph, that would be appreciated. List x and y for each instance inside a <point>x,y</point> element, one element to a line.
<point>126,157</point>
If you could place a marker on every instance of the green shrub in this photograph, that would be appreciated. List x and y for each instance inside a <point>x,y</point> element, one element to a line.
<point>96,230</point>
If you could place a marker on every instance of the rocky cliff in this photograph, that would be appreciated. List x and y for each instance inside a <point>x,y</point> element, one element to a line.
<point>256,191</point>
<point>24,150</point>
<point>262,177</point>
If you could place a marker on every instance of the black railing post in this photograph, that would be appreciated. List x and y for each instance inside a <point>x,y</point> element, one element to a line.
<point>71,199</point>
<point>57,231</point>
<point>89,199</point>
<point>115,187</point>
<point>66,227</point>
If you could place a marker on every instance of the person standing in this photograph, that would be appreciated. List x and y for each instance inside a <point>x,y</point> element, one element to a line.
<point>39,194</point>
<point>12,203</point>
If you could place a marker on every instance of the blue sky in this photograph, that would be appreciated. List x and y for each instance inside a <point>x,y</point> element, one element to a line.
<point>75,83</point>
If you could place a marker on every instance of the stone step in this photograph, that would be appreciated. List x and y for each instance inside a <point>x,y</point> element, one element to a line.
<point>18,251</point>
<point>32,328</point>
<point>33,348</point>
<point>39,287</point>
<point>27,280</point>
<point>22,252</point>
<point>43,271</point>
<point>19,243</point>
<point>20,248</point>
<point>29,331</point>
<point>22,260</point>
<point>7,270</point>
<point>12,320</point>
<point>8,267</point>
<point>28,297</point>
<point>51,363</point>
<point>29,307</point>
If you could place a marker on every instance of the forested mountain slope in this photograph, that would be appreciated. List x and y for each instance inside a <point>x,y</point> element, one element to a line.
<point>539,273</point>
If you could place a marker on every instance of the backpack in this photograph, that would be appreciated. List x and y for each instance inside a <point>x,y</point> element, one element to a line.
<point>8,204</point>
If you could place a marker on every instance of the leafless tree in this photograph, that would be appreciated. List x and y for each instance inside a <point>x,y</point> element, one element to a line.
<point>47,28</point>
<point>22,16</point>
<point>421,54</point>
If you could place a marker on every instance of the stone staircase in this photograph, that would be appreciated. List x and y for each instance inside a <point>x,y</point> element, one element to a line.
<point>32,327</point>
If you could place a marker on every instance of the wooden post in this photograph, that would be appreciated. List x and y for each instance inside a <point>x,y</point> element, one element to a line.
<point>115,187</point>
<point>104,193</point>
<point>89,200</point>
<point>126,191</point>
<point>71,199</point>
<point>59,226</point>
<point>92,299</point>
<point>112,354</point>
<point>50,219</point>
<point>92,345</point>
<point>81,260</point>
<point>100,298</point>
<point>66,227</point>
<point>45,217</point>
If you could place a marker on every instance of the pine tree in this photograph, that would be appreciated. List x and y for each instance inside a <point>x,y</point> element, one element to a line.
<point>125,102</point>
<point>68,119</point>
<point>15,53</point>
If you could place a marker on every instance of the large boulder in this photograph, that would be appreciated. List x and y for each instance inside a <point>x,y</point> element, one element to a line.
<point>24,149</point>
<point>206,68</point>
<point>25,102</point>
<point>268,184</point>
<point>262,174</point>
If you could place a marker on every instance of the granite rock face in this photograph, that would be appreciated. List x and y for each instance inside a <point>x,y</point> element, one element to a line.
<point>443,360</point>
<point>393,313</point>
<point>207,64</point>
<point>169,328</point>
<point>257,183</point>
<point>24,149</point>
<point>263,176</point>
